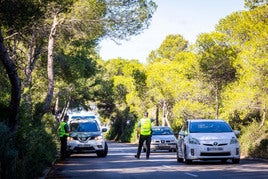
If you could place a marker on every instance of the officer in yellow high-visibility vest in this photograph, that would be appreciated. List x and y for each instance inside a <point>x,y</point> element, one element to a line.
<point>64,133</point>
<point>145,131</point>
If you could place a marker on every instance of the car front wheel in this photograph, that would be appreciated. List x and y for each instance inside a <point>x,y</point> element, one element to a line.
<point>103,153</point>
<point>178,158</point>
<point>186,160</point>
<point>235,161</point>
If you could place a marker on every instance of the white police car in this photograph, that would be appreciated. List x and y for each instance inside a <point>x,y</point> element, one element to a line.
<point>86,136</point>
<point>207,139</point>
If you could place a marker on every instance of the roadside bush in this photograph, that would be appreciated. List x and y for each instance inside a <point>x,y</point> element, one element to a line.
<point>122,127</point>
<point>254,141</point>
<point>8,153</point>
<point>37,149</point>
<point>260,150</point>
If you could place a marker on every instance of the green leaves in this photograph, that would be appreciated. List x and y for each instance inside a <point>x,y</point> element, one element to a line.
<point>127,18</point>
<point>216,58</point>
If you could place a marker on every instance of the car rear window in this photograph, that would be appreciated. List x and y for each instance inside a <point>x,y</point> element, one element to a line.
<point>84,127</point>
<point>209,127</point>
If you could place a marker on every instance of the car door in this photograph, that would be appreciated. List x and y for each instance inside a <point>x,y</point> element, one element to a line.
<point>181,139</point>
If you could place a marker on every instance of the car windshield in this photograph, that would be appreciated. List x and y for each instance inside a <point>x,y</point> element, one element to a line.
<point>84,127</point>
<point>161,131</point>
<point>209,127</point>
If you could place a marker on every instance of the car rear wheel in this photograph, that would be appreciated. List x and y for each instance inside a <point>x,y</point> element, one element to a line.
<point>103,153</point>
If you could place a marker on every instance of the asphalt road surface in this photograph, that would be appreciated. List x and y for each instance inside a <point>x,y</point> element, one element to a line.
<point>121,164</point>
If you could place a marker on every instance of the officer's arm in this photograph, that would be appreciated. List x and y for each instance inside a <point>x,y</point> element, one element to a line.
<point>139,128</point>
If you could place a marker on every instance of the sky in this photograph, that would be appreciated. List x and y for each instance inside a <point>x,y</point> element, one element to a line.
<point>188,18</point>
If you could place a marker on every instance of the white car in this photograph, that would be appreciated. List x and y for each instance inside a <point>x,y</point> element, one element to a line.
<point>162,139</point>
<point>207,139</point>
<point>86,136</point>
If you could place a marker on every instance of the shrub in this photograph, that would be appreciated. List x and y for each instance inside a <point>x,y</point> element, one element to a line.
<point>8,153</point>
<point>37,149</point>
<point>260,150</point>
<point>254,141</point>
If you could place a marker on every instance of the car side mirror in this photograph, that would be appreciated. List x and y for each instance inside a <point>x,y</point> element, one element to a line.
<point>236,132</point>
<point>182,134</point>
<point>104,129</point>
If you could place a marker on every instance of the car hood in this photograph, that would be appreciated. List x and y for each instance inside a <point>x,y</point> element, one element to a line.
<point>212,136</point>
<point>84,134</point>
<point>163,137</point>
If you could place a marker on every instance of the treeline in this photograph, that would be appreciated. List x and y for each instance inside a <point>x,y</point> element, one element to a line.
<point>224,74</point>
<point>50,63</point>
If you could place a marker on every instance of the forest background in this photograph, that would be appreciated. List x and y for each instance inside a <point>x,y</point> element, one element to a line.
<point>49,63</point>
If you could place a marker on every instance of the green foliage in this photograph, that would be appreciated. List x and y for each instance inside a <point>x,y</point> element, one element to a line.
<point>254,141</point>
<point>216,58</point>
<point>122,127</point>
<point>249,92</point>
<point>40,151</point>
<point>129,17</point>
<point>169,49</point>
<point>260,150</point>
<point>19,13</point>
<point>254,3</point>
<point>8,153</point>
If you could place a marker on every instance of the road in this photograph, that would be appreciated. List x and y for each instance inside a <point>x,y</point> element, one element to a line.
<point>121,164</point>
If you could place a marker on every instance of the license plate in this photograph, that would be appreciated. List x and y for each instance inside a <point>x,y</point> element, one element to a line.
<point>214,149</point>
<point>162,144</point>
<point>83,145</point>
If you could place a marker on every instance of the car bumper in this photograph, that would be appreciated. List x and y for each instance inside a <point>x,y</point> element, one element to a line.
<point>165,146</point>
<point>195,152</point>
<point>85,147</point>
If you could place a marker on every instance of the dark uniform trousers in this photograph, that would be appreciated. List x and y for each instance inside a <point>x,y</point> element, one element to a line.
<point>63,149</point>
<point>143,138</point>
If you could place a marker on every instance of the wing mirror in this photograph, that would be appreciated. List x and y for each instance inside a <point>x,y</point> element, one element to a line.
<point>182,134</point>
<point>104,129</point>
<point>236,132</point>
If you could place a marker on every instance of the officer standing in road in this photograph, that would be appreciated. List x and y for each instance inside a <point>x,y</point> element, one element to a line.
<point>64,133</point>
<point>145,131</point>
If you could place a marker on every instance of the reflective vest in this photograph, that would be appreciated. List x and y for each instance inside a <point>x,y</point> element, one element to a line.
<point>146,126</point>
<point>63,132</point>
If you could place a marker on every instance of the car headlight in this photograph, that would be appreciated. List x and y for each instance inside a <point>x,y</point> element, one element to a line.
<point>194,141</point>
<point>234,140</point>
<point>98,137</point>
<point>70,138</point>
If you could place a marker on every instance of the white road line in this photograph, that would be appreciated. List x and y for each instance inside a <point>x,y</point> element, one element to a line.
<point>193,175</point>
<point>166,166</point>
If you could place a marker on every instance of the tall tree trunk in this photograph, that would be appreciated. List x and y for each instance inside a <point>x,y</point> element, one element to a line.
<point>217,102</point>
<point>165,114</point>
<point>15,85</point>
<point>163,117</point>
<point>263,114</point>
<point>157,115</point>
<point>64,110</point>
<point>50,72</point>
<point>34,52</point>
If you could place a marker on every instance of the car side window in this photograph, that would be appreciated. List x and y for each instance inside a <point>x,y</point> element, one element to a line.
<point>184,130</point>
